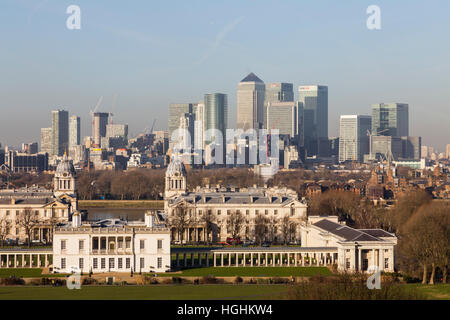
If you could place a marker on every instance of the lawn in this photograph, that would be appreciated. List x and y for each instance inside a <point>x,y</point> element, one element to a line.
<point>436,292</point>
<point>157,292</point>
<point>26,273</point>
<point>251,272</point>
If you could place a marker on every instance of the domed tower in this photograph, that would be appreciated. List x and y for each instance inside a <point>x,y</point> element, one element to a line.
<point>176,179</point>
<point>64,181</point>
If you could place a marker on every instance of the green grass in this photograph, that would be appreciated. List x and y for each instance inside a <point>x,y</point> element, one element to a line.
<point>251,272</point>
<point>26,273</point>
<point>435,292</point>
<point>157,292</point>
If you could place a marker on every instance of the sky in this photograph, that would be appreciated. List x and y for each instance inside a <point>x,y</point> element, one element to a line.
<point>152,53</point>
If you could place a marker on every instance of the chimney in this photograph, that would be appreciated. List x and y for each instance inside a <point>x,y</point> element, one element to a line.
<point>76,220</point>
<point>149,219</point>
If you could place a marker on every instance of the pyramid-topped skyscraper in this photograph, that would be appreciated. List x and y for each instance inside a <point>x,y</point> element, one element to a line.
<point>250,103</point>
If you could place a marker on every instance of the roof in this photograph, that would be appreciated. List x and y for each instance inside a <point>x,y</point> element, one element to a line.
<point>344,231</point>
<point>251,77</point>
<point>379,233</point>
<point>233,198</point>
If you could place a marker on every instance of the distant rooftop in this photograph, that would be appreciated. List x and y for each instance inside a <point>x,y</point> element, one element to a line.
<point>252,78</point>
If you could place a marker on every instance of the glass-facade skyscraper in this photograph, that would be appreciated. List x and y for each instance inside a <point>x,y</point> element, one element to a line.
<point>60,132</point>
<point>353,137</point>
<point>277,92</point>
<point>250,103</point>
<point>314,99</point>
<point>390,119</point>
<point>216,113</point>
<point>74,131</point>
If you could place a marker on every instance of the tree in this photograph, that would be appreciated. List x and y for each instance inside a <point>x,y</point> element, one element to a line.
<point>260,228</point>
<point>180,220</point>
<point>343,204</point>
<point>235,222</point>
<point>285,228</point>
<point>5,225</point>
<point>28,220</point>
<point>209,221</point>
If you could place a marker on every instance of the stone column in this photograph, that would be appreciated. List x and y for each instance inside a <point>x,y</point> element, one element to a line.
<point>229,259</point>
<point>391,260</point>
<point>251,259</point>
<point>359,259</point>
<point>237,259</point>
<point>259,259</point>
<point>214,255</point>
<point>244,258</point>
<point>374,261</point>
<point>289,259</point>
<point>7,260</point>
<point>381,259</point>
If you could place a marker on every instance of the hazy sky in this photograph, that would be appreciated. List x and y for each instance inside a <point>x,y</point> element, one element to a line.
<point>152,53</point>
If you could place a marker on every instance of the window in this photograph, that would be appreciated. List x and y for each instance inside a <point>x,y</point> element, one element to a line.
<point>7,212</point>
<point>111,263</point>
<point>63,263</point>
<point>128,243</point>
<point>200,212</point>
<point>142,263</point>
<point>127,263</point>
<point>81,263</point>
<point>228,212</point>
<point>256,212</point>
<point>142,244</point>
<point>347,263</point>
<point>238,211</point>
<point>219,212</point>
<point>159,262</point>
<point>81,244</point>
<point>63,244</point>
<point>159,244</point>
<point>119,263</point>
<point>103,263</point>
<point>275,212</point>
<point>266,212</point>
<point>386,263</point>
<point>95,263</point>
<point>120,243</point>
<point>247,212</point>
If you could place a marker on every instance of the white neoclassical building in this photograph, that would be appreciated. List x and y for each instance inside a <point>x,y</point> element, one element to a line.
<point>112,245</point>
<point>355,249</point>
<point>50,206</point>
<point>220,203</point>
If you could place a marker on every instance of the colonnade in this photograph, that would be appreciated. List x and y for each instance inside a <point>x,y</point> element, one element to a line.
<point>25,260</point>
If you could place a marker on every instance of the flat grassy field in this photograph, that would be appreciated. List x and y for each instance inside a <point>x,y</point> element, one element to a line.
<point>435,292</point>
<point>251,272</point>
<point>26,273</point>
<point>157,292</point>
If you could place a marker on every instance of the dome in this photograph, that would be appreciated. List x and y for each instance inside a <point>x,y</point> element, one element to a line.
<point>176,166</point>
<point>65,166</point>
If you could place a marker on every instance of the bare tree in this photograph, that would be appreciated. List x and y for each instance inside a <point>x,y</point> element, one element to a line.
<point>235,222</point>
<point>180,220</point>
<point>28,220</point>
<point>209,220</point>
<point>260,228</point>
<point>5,225</point>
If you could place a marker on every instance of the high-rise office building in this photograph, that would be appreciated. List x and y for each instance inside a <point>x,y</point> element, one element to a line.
<point>412,148</point>
<point>74,131</point>
<point>390,119</point>
<point>283,116</point>
<point>199,125</point>
<point>353,138</point>
<point>114,130</point>
<point>176,111</point>
<point>46,140</point>
<point>60,132</point>
<point>99,127</point>
<point>447,151</point>
<point>277,92</point>
<point>30,148</point>
<point>315,111</point>
<point>250,103</point>
<point>216,114</point>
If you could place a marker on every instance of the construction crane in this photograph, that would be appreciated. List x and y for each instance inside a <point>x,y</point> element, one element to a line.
<point>95,110</point>
<point>111,114</point>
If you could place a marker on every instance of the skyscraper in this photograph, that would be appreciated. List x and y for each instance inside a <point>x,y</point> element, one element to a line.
<point>250,103</point>
<point>447,151</point>
<point>390,119</point>
<point>99,127</point>
<point>176,111</point>
<point>117,130</point>
<point>277,92</point>
<point>46,140</point>
<point>353,138</point>
<point>199,125</point>
<point>60,132</point>
<point>216,113</point>
<point>315,110</point>
<point>74,131</point>
<point>283,116</point>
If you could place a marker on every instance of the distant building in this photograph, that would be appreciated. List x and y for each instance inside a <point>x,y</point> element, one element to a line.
<point>24,162</point>
<point>412,148</point>
<point>277,92</point>
<point>46,140</point>
<point>447,151</point>
<point>353,138</point>
<point>114,130</point>
<point>30,148</point>
<point>176,111</point>
<point>216,115</point>
<point>283,116</point>
<point>60,132</point>
<point>74,131</point>
<point>314,99</point>
<point>390,119</point>
<point>99,127</point>
<point>250,103</point>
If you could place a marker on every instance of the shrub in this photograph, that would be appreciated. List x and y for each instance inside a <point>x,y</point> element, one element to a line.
<point>409,279</point>
<point>208,280</point>
<point>238,280</point>
<point>11,281</point>
<point>278,280</point>
<point>177,280</point>
<point>89,281</point>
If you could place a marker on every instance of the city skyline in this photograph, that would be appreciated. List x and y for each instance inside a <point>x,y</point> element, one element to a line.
<point>56,78</point>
